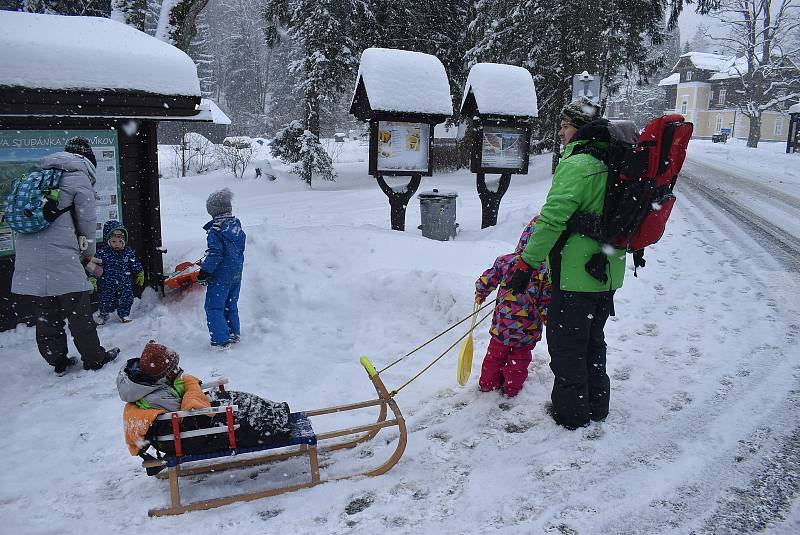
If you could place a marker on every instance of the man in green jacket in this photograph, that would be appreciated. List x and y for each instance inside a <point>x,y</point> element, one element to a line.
<point>584,272</point>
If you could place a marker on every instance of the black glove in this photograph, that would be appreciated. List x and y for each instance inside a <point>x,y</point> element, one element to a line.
<point>520,277</point>
<point>203,276</point>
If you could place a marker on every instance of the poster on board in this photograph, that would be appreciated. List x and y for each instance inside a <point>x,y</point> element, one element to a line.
<point>503,148</point>
<point>21,150</point>
<point>403,146</point>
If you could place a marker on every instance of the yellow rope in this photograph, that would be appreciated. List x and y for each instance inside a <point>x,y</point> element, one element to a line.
<point>459,322</point>
<point>437,359</point>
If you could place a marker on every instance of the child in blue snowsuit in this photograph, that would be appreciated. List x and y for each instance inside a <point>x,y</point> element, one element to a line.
<point>222,269</point>
<point>120,268</point>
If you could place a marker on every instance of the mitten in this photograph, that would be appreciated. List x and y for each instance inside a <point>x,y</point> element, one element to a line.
<point>520,277</point>
<point>203,276</point>
<point>95,267</point>
<point>93,282</point>
<point>139,279</point>
<point>479,298</point>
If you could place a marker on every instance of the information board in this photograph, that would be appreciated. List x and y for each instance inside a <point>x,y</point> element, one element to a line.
<point>503,148</point>
<point>403,146</point>
<point>21,151</point>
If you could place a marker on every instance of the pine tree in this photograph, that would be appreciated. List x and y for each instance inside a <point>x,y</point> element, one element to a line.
<point>130,12</point>
<point>700,41</point>
<point>89,8</point>
<point>201,53</point>
<point>325,53</point>
<point>557,39</point>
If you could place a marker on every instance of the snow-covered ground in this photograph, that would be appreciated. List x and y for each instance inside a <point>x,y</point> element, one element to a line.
<point>702,356</point>
<point>768,163</point>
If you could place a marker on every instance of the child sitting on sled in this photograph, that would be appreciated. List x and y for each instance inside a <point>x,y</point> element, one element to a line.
<point>516,323</point>
<point>221,270</point>
<point>117,268</point>
<point>154,384</point>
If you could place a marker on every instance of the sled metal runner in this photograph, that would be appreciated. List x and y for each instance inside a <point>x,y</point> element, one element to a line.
<point>310,449</point>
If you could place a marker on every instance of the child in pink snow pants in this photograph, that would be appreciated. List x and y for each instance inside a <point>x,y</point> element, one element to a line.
<point>516,324</point>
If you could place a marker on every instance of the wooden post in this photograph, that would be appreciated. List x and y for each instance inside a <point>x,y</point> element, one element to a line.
<point>490,200</point>
<point>174,490</point>
<point>312,456</point>
<point>398,200</point>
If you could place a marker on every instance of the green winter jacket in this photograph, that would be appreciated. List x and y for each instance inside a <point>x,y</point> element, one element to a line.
<point>579,184</point>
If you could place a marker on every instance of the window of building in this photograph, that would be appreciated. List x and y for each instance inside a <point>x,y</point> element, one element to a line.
<point>684,105</point>
<point>722,93</point>
<point>718,126</point>
<point>778,126</point>
<point>688,76</point>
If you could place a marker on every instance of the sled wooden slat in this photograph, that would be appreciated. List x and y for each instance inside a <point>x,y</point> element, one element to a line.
<point>234,464</point>
<point>353,430</point>
<point>349,407</point>
<point>219,502</point>
<point>310,446</point>
<point>198,433</point>
<point>196,412</point>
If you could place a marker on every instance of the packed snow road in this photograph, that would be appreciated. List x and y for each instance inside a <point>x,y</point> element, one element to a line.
<point>771,216</point>
<point>759,216</point>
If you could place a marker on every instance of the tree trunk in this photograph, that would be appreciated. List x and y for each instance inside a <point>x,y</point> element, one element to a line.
<point>311,123</point>
<point>179,22</point>
<point>490,200</point>
<point>754,135</point>
<point>398,201</point>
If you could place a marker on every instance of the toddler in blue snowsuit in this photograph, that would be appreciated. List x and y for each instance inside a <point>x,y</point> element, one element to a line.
<point>120,268</point>
<point>222,269</point>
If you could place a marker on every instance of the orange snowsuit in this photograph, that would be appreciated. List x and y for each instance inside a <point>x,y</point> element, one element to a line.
<point>137,421</point>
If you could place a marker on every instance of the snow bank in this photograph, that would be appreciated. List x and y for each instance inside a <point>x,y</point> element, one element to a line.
<point>404,81</point>
<point>501,89</point>
<point>89,53</point>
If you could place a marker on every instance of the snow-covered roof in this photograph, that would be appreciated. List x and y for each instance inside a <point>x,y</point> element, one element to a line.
<point>706,61</point>
<point>501,89</point>
<point>672,79</point>
<point>217,115</point>
<point>734,68</point>
<point>794,108</point>
<point>89,53</point>
<point>405,82</point>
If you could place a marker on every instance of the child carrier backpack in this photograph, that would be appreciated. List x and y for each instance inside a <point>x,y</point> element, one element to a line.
<point>639,190</point>
<point>32,203</point>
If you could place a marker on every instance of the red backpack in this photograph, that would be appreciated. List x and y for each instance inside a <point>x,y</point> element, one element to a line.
<point>639,191</point>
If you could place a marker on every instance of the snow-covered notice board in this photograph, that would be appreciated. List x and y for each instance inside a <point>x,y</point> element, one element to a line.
<point>403,146</point>
<point>21,151</point>
<point>503,147</point>
<point>500,101</point>
<point>402,94</point>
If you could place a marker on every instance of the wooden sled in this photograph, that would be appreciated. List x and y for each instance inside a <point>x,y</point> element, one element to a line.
<point>302,442</point>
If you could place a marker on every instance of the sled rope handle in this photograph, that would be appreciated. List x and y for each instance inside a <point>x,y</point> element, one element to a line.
<point>454,344</point>
<point>459,322</point>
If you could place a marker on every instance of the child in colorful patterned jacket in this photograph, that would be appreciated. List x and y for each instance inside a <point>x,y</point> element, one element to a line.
<point>119,269</point>
<point>516,323</point>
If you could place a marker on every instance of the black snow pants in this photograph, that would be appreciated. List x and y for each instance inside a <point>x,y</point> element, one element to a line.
<point>51,339</point>
<point>577,347</point>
